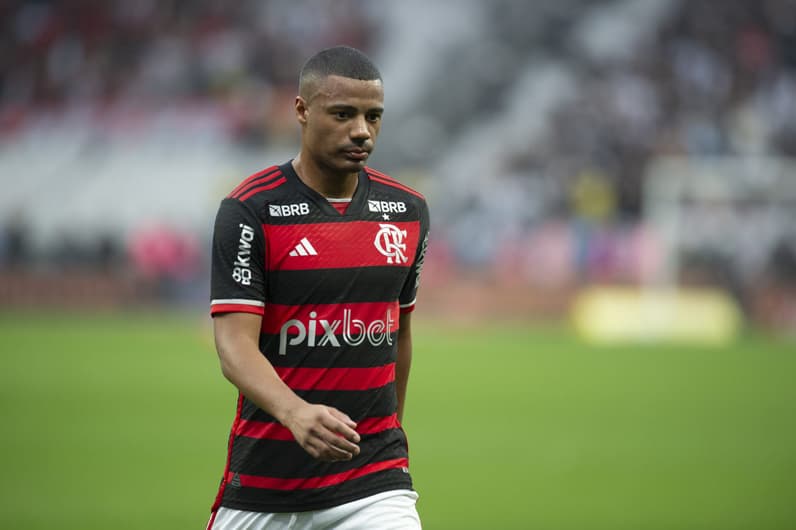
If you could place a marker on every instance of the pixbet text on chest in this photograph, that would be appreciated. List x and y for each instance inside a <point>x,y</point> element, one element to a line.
<point>354,331</point>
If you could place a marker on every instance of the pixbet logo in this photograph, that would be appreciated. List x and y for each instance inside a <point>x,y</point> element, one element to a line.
<point>354,331</point>
<point>242,272</point>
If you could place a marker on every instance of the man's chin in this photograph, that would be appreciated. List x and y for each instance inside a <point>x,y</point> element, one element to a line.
<point>353,165</point>
<point>344,164</point>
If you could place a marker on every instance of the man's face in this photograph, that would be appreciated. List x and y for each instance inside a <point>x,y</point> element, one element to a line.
<point>341,120</point>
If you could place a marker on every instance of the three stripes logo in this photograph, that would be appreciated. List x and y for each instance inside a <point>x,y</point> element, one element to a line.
<point>304,248</point>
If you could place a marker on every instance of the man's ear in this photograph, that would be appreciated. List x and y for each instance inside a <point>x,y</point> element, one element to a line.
<point>301,110</point>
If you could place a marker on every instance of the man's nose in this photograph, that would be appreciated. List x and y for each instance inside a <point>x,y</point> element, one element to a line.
<point>360,129</point>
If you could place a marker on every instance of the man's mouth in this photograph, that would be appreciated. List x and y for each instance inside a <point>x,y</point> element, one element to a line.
<point>357,154</point>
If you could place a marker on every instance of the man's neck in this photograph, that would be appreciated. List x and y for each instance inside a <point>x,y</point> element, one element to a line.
<point>328,184</point>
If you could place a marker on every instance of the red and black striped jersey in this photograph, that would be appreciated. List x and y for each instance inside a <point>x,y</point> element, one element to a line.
<point>330,288</point>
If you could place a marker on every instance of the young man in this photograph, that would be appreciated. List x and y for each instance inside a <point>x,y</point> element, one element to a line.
<point>316,265</point>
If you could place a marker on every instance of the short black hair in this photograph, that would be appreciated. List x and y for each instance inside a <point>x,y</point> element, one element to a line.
<point>344,61</point>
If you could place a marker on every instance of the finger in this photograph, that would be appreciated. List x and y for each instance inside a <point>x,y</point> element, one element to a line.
<point>313,450</point>
<point>343,426</point>
<point>337,454</point>
<point>342,416</point>
<point>321,450</point>
<point>339,442</point>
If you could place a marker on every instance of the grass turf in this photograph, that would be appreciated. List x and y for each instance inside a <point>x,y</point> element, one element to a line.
<point>121,421</point>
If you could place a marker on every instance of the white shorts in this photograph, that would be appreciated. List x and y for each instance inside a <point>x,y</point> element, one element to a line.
<point>391,510</point>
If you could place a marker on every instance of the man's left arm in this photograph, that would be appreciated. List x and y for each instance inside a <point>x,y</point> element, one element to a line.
<point>407,301</point>
<point>403,361</point>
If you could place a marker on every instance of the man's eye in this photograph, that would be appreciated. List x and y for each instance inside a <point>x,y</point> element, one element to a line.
<point>374,117</point>
<point>341,114</point>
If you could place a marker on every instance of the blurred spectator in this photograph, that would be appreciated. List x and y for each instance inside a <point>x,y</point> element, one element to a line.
<point>57,53</point>
<point>15,249</point>
<point>166,259</point>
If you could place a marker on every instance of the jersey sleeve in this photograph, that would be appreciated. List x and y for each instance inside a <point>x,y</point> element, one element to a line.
<point>409,292</point>
<point>237,282</point>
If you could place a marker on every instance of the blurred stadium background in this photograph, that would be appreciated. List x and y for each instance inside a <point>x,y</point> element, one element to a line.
<point>607,321</point>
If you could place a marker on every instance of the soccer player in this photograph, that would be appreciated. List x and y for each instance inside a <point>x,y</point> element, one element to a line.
<point>316,265</point>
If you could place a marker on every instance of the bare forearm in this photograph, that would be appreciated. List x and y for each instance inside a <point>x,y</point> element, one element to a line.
<point>403,363</point>
<point>324,432</point>
<point>255,377</point>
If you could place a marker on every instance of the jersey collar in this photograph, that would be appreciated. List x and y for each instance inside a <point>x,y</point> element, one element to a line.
<point>357,201</point>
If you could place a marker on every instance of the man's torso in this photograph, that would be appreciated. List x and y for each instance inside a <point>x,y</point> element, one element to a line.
<point>331,288</point>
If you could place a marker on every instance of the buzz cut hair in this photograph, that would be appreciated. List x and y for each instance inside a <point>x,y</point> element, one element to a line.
<point>344,61</point>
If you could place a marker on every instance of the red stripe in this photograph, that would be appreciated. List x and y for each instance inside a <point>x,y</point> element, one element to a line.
<point>267,178</point>
<point>378,173</point>
<point>377,424</point>
<point>251,481</point>
<point>342,245</point>
<point>395,184</point>
<point>211,521</point>
<point>389,181</point>
<point>276,431</point>
<point>236,308</point>
<point>258,189</point>
<point>350,319</point>
<point>337,378</point>
<point>264,430</point>
<point>252,177</point>
<point>226,475</point>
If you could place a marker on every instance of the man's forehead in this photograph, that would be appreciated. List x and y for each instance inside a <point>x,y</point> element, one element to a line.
<point>335,87</point>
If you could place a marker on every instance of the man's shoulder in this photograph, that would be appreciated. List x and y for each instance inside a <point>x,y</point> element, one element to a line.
<point>392,186</point>
<point>259,186</point>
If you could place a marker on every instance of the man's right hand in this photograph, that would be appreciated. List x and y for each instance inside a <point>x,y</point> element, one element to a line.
<point>324,432</point>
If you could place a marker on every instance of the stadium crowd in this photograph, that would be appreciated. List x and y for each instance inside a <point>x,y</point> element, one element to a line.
<point>716,79</point>
<point>118,62</point>
<point>711,78</point>
<point>152,53</point>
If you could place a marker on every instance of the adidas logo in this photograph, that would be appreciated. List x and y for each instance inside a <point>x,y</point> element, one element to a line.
<point>304,248</point>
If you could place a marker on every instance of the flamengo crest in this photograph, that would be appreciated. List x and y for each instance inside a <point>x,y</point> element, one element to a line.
<point>390,242</point>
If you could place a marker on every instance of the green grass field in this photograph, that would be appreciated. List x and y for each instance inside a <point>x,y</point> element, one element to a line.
<point>121,422</point>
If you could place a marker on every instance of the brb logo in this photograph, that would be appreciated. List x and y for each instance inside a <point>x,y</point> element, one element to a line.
<point>387,206</point>
<point>390,242</point>
<point>287,210</point>
<point>354,331</point>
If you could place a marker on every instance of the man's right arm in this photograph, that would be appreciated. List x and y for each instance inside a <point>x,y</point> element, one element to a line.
<point>237,305</point>
<point>324,432</point>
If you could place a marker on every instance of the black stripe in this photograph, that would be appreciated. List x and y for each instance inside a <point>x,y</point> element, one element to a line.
<point>251,456</point>
<point>265,500</point>
<point>334,286</point>
<point>358,404</point>
<point>363,356</point>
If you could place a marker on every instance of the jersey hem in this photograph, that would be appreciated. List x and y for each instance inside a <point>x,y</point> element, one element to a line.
<point>307,507</point>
